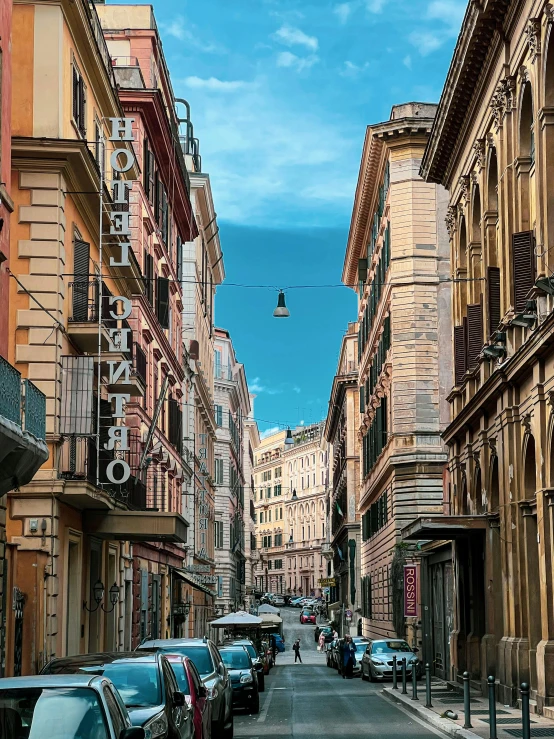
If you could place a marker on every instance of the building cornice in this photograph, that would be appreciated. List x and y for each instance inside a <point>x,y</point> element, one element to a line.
<point>481,22</point>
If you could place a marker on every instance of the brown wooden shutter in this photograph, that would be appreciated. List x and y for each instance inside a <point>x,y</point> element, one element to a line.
<point>474,333</point>
<point>460,354</point>
<point>523,267</point>
<point>493,286</point>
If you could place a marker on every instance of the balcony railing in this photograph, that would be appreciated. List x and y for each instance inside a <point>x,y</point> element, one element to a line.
<point>21,402</point>
<point>84,303</point>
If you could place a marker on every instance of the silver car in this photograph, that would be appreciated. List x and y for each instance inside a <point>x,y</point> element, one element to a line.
<point>378,659</point>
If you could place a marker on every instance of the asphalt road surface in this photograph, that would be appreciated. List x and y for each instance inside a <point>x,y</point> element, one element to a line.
<point>311,701</point>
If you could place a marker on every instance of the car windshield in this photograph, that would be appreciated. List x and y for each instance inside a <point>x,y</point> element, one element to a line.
<point>181,675</point>
<point>138,682</point>
<point>306,613</point>
<point>199,655</point>
<point>56,713</point>
<point>235,659</point>
<point>361,646</point>
<point>388,647</point>
<point>251,649</point>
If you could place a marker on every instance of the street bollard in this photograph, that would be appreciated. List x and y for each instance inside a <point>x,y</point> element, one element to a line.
<point>414,682</point>
<point>492,707</point>
<point>394,675</point>
<point>404,689</point>
<point>525,718</point>
<point>428,703</point>
<point>467,708</point>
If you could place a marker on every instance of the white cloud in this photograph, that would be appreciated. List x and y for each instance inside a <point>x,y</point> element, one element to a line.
<point>183,30</point>
<point>407,61</point>
<point>284,148</point>
<point>450,12</point>
<point>287,59</point>
<point>353,70</point>
<point>269,432</point>
<point>375,6</point>
<point>296,389</point>
<point>257,387</point>
<point>427,41</point>
<point>291,36</point>
<point>214,84</point>
<point>343,11</point>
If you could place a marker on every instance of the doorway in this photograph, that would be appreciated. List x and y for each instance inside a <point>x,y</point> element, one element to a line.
<point>441,591</point>
<point>95,574</point>
<point>73,597</point>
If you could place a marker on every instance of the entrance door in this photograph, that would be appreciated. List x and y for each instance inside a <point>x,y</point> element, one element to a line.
<point>441,599</point>
<point>95,574</point>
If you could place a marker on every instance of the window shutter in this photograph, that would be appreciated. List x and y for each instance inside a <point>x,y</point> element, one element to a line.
<point>523,267</point>
<point>75,95</point>
<point>179,258</point>
<point>362,406</point>
<point>460,354</point>
<point>493,282</point>
<point>81,255</point>
<point>82,101</point>
<point>474,333</point>
<point>146,166</point>
<point>162,301</point>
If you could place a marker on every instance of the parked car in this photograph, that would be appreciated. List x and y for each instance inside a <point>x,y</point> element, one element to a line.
<point>278,601</point>
<point>377,662</point>
<point>307,616</point>
<point>327,632</point>
<point>243,678</point>
<point>68,706</point>
<point>209,664</point>
<point>195,692</point>
<point>146,684</point>
<point>259,660</point>
<point>279,642</point>
<point>297,602</point>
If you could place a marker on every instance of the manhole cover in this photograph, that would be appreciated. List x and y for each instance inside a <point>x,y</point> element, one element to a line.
<point>547,733</point>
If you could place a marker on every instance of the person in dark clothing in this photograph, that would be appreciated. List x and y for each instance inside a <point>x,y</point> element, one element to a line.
<point>296,650</point>
<point>317,633</point>
<point>273,642</point>
<point>348,657</point>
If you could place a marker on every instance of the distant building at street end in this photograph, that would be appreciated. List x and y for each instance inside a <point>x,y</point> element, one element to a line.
<point>491,146</point>
<point>397,261</point>
<point>341,431</point>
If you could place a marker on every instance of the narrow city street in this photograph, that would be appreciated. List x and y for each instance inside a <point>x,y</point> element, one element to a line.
<point>310,700</point>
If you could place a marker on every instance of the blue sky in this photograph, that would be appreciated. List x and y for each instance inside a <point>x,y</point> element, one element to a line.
<point>281,92</point>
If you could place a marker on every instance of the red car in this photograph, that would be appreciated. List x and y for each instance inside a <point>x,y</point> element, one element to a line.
<point>195,692</point>
<point>307,617</point>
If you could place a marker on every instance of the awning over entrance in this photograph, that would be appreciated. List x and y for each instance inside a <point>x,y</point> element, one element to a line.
<point>445,527</point>
<point>189,579</point>
<point>136,525</point>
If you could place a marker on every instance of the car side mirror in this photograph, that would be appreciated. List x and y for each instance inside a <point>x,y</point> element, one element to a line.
<point>221,669</point>
<point>178,698</point>
<point>416,650</point>
<point>202,692</point>
<point>133,732</point>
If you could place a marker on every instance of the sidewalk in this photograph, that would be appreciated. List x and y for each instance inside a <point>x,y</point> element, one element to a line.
<point>508,720</point>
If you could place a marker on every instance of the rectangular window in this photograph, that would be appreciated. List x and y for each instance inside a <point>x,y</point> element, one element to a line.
<point>277,491</point>
<point>79,101</point>
<point>278,472</point>
<point>268,493</point>
<point>281,513</point>
<point>278,540</point>
<point>162,301</point>
<point>270,515</point>
<point>269,564</point>
<point>218,534</point>
<point>217,355</point>
<point>219,415</point>
<point>219,472</point>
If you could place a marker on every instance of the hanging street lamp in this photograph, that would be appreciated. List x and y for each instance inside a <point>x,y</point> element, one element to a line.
<point>281,311</point>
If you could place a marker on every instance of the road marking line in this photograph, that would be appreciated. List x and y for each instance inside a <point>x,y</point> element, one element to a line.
<point>265,709</point>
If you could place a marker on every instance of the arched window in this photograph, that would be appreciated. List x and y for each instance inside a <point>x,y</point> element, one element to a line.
<point>526,155</point>
<point>476,215</point>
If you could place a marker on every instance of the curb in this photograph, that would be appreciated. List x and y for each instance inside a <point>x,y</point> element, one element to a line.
<point>430,717</point>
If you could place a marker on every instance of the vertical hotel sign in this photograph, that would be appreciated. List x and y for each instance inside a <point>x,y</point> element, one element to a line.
<point>410,591</point>
<point>203,505</point>
<point>119,307</point>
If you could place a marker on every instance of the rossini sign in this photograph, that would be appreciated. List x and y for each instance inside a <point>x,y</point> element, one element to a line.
<point>122,160</point>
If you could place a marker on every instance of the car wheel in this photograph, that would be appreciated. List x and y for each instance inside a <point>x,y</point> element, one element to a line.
<point>255,706</point>
<point>229,730</point>
<point>364,678</point>
<point>261,684</point>
<point>371,678</point>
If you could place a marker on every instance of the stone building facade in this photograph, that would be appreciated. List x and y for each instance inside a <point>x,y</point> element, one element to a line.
<point>341,432</point>
<point>397,260</point>
<point>232,407</point>
<point>491,147</point>
<point>251,442</point>
<point>270,494</point>
<point>305,486</point>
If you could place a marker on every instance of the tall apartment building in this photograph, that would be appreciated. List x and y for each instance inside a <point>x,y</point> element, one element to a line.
<point>397,260</point>
<point>203,270</point>
<point>269,503</point>
<point>341,432</point>
<point>498,493</point>
<point>306,482</point>
<point>22,404</point>
<point>161,220</point>
<point>251,442</point>
<point>232,407</point>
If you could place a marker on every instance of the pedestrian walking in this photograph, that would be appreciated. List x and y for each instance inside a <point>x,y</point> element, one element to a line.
<point>335,634</point>
<point>273,642</point>
<point>321,646</point>
<point>296,650</point>
<point>317,633</point>
<point>348,657</point>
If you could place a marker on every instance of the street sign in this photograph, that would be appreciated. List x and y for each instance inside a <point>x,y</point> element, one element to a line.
<point>348,614</point>
<point>327,582</point>
<point>410,591</point>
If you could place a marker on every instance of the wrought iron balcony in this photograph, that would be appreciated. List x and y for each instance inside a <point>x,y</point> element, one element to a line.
<point>22,428</point>
<point>84,314</point>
